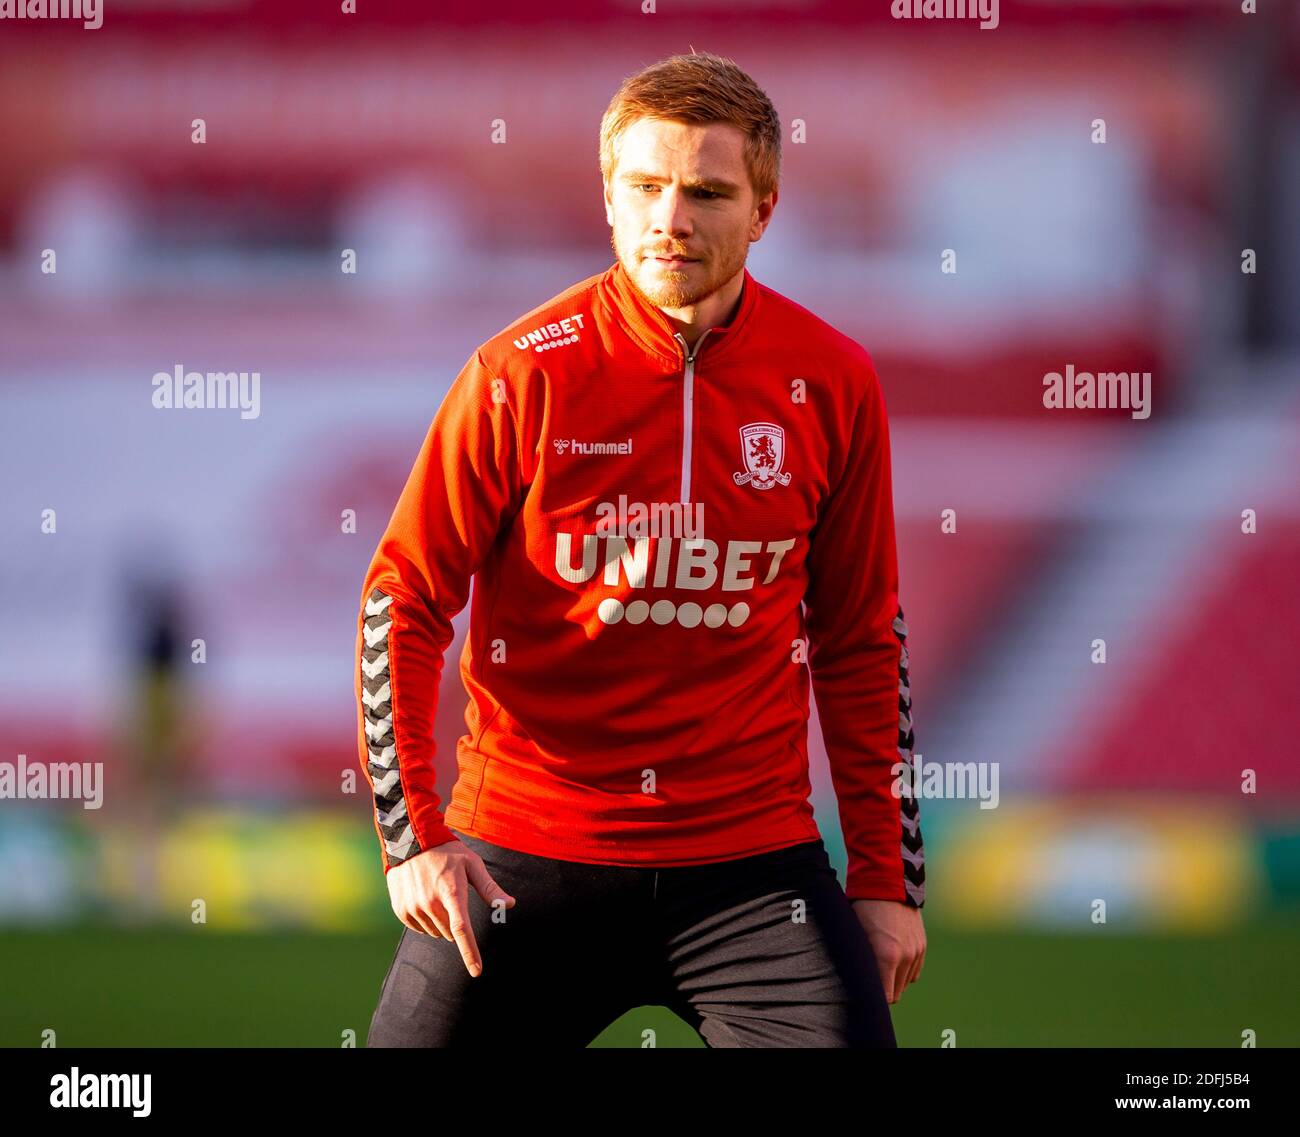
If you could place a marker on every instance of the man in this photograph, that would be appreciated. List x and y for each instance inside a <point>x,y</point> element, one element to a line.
<point>650,477</point>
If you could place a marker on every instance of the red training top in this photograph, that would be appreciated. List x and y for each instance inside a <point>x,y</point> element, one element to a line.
<point>642,524</point>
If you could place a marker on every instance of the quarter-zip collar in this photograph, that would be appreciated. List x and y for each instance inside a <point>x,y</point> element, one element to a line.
<point>650,328</point>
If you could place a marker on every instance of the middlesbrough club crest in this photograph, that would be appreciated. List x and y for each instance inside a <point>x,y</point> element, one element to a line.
<point>762,445</point>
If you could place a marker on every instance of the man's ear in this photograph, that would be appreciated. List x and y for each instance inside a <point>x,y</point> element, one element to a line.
<point>609,206</point>
<point>763,215</point>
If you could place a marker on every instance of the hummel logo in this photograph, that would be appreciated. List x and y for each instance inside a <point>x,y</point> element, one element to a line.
<point>563,445</point>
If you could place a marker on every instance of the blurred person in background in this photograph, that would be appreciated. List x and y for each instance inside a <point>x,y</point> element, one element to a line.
<point>156,746</point>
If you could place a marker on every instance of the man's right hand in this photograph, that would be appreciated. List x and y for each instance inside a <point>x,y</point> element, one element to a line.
<point>430,894</point>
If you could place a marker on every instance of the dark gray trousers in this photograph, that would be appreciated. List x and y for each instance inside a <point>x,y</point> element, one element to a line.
<point>761,951</point>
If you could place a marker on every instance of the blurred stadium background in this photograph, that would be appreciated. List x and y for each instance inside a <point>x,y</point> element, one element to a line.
<point>372,132</point>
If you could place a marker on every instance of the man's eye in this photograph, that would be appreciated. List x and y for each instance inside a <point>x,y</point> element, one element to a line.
<point>704,193</point>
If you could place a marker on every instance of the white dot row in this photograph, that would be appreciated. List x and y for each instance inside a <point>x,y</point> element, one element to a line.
<point>689,615</point>
<point>556,343</point>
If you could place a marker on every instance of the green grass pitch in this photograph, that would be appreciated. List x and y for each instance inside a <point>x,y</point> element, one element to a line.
<point>104,987</point>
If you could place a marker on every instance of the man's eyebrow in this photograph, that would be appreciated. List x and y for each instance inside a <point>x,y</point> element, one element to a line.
<point>716,184</point>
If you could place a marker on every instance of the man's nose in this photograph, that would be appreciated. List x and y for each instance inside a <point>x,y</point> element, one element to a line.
<point>672,212</point>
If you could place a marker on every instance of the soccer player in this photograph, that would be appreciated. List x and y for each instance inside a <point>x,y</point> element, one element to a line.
<point>671,488</point>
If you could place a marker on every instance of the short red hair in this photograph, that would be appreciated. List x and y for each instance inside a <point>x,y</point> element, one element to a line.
<point>699,88</point>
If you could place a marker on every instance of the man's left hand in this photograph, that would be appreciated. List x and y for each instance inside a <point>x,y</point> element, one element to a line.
<point>897,937</point>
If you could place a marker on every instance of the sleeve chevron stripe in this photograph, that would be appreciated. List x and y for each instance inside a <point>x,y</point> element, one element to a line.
<point>913,850</point>
<point>382,766</point>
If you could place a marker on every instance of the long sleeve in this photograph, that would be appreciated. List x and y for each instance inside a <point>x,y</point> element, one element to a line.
<point>859,665</point>
<point>464,487</point>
